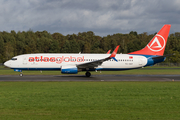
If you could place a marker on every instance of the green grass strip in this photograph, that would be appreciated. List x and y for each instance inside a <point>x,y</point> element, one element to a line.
<point>90,100</point>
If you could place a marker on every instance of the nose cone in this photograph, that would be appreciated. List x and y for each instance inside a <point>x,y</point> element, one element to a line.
<point>7,63</point>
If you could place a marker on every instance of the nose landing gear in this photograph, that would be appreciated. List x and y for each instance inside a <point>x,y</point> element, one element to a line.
<point>18,70</point>
<point>21,74</point>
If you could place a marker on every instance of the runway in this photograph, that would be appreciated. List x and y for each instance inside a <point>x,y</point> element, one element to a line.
<point>48,78</point>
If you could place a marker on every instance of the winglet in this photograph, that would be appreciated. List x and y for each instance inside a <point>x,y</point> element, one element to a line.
<point>108,52</point>
<point>114,52</point>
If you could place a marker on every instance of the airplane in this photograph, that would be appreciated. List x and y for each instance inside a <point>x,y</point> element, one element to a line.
<point>74,63</point>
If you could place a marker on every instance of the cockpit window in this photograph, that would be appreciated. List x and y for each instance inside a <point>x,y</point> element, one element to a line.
<point>14,59</point>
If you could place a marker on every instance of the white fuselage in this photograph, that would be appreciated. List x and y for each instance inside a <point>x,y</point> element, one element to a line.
<point>42,61</point>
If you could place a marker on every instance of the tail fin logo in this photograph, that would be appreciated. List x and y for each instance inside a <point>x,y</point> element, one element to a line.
<point>157,44</point>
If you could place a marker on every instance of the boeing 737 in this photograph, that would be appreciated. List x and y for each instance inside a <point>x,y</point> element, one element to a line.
<point>74,63</point>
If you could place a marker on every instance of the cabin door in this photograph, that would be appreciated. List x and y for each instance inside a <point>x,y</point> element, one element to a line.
<point>140,61</point>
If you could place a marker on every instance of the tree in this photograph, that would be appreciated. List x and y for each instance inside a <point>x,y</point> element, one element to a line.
<point>66,47</point>
<point>2,50</point>
<point>87,47</point>
<point>175,58</point>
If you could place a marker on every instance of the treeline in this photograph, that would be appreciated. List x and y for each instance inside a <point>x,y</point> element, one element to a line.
<point>12,44</point>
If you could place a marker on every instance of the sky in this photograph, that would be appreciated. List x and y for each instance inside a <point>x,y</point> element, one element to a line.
<point>103,17</point>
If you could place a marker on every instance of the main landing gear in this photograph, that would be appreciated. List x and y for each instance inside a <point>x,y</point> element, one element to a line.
<point>88,74</point>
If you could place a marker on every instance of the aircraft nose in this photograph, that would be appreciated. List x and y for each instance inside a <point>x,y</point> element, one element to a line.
<point>7,63</point>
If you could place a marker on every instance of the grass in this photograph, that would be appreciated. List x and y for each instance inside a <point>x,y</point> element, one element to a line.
<point>89,100</point>
<point>152,71</point>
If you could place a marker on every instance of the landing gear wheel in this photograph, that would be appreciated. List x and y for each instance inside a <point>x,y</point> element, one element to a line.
<point>88,74</point>
<point>20,74</point>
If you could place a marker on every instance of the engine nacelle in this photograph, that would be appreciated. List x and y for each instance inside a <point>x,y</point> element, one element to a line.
<point>69,70</point>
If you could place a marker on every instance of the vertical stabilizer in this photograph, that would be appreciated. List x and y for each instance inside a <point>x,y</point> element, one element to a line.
<point>157,45</point>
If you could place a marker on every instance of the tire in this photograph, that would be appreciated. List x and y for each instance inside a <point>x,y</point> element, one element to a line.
<point>88,74</point>
<point>20,74</point>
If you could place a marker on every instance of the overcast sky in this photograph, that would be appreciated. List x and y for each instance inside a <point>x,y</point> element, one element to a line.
<point>103,17</point>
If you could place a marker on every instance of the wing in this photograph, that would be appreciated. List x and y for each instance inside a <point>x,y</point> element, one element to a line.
<point>98,62</point>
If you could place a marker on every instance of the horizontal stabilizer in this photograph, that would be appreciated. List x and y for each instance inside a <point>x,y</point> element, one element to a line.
<point>161,57</point>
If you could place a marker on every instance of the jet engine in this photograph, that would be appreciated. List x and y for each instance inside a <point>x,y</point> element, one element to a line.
<point>70,69</point>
